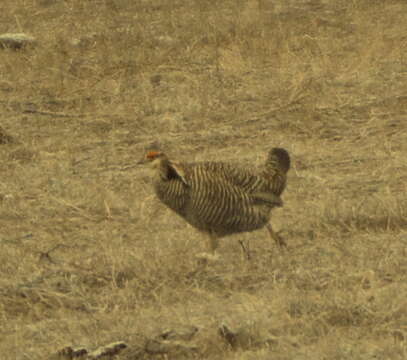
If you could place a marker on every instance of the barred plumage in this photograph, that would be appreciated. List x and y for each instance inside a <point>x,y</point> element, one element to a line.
<point>220,198</point>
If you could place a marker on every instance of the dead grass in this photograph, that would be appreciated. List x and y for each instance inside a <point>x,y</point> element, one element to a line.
<point>87,254</point>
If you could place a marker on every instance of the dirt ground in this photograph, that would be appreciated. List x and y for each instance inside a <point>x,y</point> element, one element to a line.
<point>88,255</point>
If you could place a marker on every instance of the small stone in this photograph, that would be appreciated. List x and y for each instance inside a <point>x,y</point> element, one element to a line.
<point>185,332</point>
<point>5,138</point>
<point>16,41</point>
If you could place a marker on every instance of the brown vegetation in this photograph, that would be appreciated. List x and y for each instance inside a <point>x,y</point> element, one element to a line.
<point>88,256</point>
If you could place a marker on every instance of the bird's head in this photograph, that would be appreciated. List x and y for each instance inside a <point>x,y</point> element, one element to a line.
<point>153,157</point>
<point>166,169</point>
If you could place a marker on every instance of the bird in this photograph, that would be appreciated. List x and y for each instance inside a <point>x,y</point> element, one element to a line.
<point>221,198</point>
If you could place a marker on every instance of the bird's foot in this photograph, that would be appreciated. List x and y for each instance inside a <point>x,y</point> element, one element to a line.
<point>276,236</point>
<point>245,249</point>
<point>207,257</point>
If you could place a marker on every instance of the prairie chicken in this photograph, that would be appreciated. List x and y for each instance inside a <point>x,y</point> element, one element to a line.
<point>220,198</point>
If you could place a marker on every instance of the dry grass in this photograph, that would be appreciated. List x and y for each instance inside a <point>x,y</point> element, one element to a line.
<point>88,255</point>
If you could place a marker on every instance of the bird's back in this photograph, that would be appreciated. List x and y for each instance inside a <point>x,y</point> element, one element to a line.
<point>248,180</point>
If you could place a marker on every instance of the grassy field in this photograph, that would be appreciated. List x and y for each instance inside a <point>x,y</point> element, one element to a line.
<point>87,253</point>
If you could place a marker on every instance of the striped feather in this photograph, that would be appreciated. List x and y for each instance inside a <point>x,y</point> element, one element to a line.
<point>220,198</point>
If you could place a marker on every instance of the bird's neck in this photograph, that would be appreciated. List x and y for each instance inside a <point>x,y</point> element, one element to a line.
<point>162,166</point>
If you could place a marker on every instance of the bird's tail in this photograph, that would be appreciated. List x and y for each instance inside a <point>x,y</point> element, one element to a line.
<point>278,159</point>
<point>277,165</point>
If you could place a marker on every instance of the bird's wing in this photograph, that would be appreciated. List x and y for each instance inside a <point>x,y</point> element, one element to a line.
<point>244,179</point>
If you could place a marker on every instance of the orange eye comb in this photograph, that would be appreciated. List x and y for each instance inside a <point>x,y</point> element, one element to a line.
<point>151,155</point>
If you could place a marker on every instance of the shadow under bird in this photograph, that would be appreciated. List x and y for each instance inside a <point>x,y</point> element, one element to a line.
<point>220,198</point>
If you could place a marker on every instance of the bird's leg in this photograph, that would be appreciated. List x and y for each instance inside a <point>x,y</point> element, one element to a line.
<point>277,238</point>
<point>213,245</point>
<point>245,249</point>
